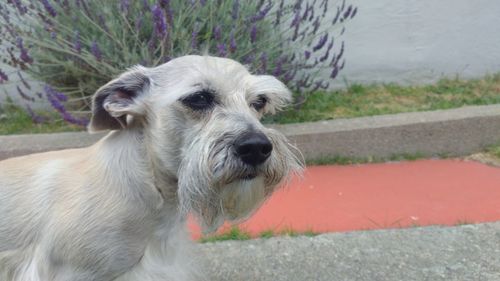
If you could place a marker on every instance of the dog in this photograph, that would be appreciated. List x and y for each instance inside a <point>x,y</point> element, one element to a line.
<point>185,137</point>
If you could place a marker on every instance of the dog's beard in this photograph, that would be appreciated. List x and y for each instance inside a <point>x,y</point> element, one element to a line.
<point>216,186</point>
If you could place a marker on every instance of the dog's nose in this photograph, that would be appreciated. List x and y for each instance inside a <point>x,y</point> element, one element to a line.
<point>253,148</point>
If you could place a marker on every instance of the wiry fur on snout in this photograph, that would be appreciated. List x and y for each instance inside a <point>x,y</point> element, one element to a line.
<point>210,174</point>
<point>117,210</point>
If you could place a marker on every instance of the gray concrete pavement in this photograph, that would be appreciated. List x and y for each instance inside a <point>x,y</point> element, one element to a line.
<point>454,132</point>
<point>463,253</point>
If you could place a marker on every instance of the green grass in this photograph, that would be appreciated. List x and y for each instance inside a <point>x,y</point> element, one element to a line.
<point>340,160</point>
<point>15,120</point>
<point>494,150</point>
<point>359,100</point>
<point>235,233</point>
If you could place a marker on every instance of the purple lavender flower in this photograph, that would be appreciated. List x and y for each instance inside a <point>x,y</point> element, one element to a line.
<point>152,44</point>
<point>341,52</point>
<point>235,10</point>
<point>34,117</point>
<point>278,68</point>
<point>24,52</point>
<point>262,13</point>
<point>53,35</point>
<point>102,22</point>
<point>321,43</point>
<point>307,54</point>
<point>263,62</point>
<point>20,7</point>
<point>253,33</point>
<point>305,82</point>
<point>334,73</point>
<point>60,96</point>
<point>325,7</point>
<point>73,120</point>
<point>124,6</point>
<point>48,7</point>
<point>311,16</point>
<point>221,48</point>
<point>164,3</point>
<point>336,18</point>
<point>94,49</point>
<point>316,25</point>
<point>354,12</point>
<point>24,95</point>
<point>194,39</point>
<point>54,102</point>
<point>279,13</point>
<point>342,65</point>
<point>333,61</point>
<point>306,12</point>
<point>232,42</point>
<point>77,43</point>
<point>145,5</point>
<point>203,2</point>
<point>327,53</point>
<point>217,33</point>
<point>318,85</point>
<point>347,13</point>
<point>55,99</point>
<point>289,75</point>
<point>3,77</point>
<point>296,19</point>
<point>159,22</point>
<point>248,59</point>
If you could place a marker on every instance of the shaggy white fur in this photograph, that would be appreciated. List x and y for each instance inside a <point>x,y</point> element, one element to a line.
<point>117,210</point>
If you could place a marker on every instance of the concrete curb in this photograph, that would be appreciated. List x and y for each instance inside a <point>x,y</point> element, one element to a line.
<point>454,132</point>
<point>17,145</point>
<point>468,252</point>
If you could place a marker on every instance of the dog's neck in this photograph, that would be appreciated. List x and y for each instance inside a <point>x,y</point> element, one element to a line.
<point>127,152</point>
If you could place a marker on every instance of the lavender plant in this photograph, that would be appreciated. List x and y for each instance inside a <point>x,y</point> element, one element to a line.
<point>74,46</point>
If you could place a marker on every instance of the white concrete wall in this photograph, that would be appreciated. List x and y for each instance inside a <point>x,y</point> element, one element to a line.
<point>420,41</point>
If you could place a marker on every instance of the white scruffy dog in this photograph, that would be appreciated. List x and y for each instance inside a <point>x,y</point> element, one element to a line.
<point>185,137</point>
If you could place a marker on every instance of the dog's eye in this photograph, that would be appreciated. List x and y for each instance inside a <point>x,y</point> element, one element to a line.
<point>200,100</point>
<point>260,103</point>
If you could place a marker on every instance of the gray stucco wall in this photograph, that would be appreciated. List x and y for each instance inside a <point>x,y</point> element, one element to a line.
<point>412,42</point>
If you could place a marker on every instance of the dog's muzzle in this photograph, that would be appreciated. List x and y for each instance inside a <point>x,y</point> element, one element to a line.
<point>253,148</point>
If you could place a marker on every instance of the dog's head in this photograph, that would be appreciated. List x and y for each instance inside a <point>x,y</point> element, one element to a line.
<point>200,118</point>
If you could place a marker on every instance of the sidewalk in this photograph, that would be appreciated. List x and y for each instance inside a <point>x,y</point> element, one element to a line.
<point>464,253</point>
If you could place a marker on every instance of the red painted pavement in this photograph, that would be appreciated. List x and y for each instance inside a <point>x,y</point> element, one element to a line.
<point>388,195</point>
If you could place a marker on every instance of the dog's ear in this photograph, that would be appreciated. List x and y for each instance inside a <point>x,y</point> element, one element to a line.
<point>278,95</point>
<point>120,97</point>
